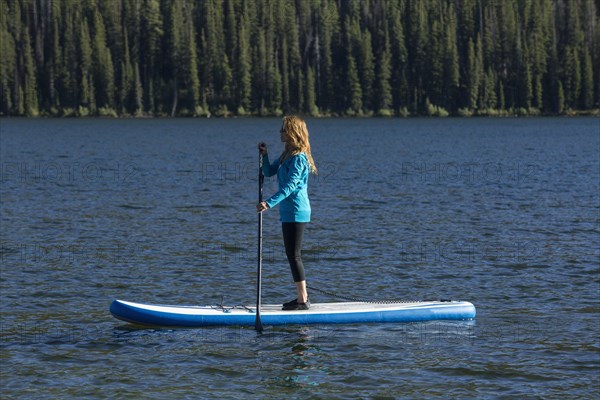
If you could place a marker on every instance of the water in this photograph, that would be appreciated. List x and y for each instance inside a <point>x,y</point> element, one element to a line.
<point>501,212</point>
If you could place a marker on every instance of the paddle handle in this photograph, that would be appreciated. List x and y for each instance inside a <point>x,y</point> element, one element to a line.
<point>258,323</point>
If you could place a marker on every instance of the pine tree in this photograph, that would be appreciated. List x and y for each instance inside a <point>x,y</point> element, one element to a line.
<point>473,76</point>
<point>572,79</point>
<point>88,92</point>
<point>231,32</point>
<point>451,61</point>
<point>273,75</point>
<point>259,68</point>
<point>190,68</point>
<point>327,32</point>
<point>69,79</point>
<point>187,57</point>
<point>30,92</point>
<point>354,102</point>
<point>552,78</point>
<point>538,89</point>
<point>596,64</point>
<point>399,54</point>
<point>489,100</point>
<point>243,71</point>
<point>300,88</point>
<point>501,101</point>
<point>417,37</point>
<point>574,34</point>
<point>537,44</point>
<point>383,92</point>
<point>213,50</point>
<point>151,32</point>
<point>54,59</point>
<point>175,48</point>
<point>7,62</point>
<point>587,82</point>
<point>310,97</point>
<point>560,98</point>
<point>508,50</point>
<point>126,86</point>
<point>466,22</point>
<point>285,76</point>
<point>294,62</point>
<point>525,85</point>
<point>367,69</point>
<point>139,91</point>
<point>435,67</point>
<point>354,94</point>
<point>103,65</point>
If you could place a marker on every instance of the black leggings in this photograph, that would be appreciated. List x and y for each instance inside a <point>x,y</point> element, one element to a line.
<point>292,239</point>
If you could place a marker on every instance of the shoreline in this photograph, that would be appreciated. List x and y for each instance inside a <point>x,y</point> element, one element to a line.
<point>497,114</point>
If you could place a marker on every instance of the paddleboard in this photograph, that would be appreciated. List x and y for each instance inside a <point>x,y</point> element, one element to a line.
<point>319,313</point>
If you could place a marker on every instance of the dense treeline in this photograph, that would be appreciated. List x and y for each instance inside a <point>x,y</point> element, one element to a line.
<point>317,57</point>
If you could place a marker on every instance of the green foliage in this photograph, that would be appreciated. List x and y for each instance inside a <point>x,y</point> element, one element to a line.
<point>435,111</point>
<point>30,92</point>
<point>403,112</point>
<point>385,112</point>
<point>587,93</point>
<point>383,93</point>
<point>107,112</point>
<point>561,98</point>
<point>321,57</point>
<point>222,111</point>
<point>465,112</point>
<point>81,112</point>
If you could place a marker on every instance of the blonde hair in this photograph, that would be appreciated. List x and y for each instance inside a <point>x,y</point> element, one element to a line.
<point>296,140</point>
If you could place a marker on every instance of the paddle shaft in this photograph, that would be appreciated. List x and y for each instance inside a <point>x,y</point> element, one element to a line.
<point>257,323</point>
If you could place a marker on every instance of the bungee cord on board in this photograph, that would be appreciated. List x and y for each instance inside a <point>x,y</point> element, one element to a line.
<point>362,300</point>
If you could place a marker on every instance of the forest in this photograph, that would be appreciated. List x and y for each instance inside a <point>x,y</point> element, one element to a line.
<point>202,58</point>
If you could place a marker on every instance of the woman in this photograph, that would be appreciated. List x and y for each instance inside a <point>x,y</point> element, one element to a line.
<point>292,169</point>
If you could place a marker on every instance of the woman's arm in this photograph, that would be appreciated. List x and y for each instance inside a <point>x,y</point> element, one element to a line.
<point>297,166</point>
<point>268,168</point>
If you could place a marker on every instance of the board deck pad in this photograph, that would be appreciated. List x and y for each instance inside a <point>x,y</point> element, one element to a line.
<point>319,313</point>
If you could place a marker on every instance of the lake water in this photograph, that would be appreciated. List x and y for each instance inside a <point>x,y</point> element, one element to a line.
<point>504,213</point>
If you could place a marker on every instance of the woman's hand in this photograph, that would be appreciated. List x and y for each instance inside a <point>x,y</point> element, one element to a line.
<point>262,148</point>
<point>262,206</point>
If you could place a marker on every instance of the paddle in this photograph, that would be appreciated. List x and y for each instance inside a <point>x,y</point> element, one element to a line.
<point>257,323</point>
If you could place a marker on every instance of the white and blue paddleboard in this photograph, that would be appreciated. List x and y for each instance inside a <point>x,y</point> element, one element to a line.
<point>319,313</point>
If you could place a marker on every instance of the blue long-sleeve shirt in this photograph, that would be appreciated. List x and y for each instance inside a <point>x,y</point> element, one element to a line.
<point>292,195</point>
